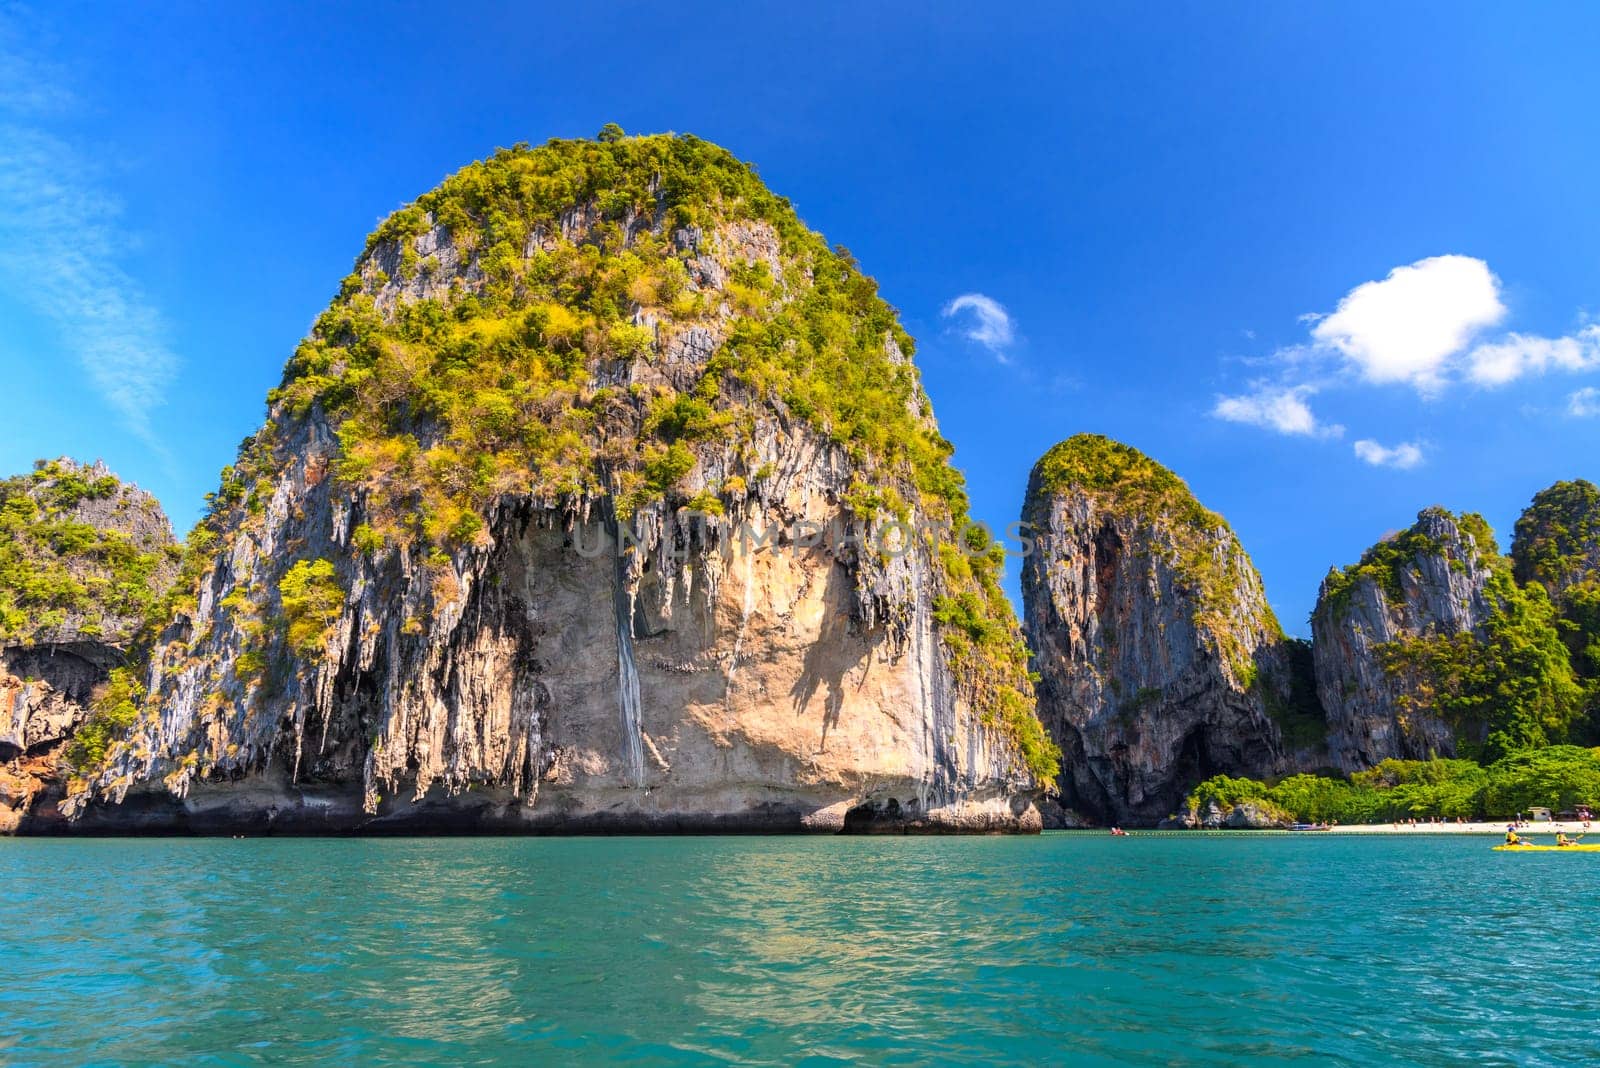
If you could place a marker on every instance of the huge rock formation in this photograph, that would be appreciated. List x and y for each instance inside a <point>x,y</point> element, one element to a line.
<point>419,610</point>
<point>1160,661</point>
<point>83,557</point>
<point>1428,647</point>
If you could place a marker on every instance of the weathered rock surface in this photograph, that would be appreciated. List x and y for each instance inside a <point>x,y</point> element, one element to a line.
<point>1158,654</point>
<point>75,537</point>
<point>532,676</point>
<point>1427,581</point>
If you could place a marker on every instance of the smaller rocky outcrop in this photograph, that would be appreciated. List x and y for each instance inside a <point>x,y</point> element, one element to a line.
<point>83,556</point>
<point>1247,815</point>
<point>1160,661</point>
<point>1427,580</point>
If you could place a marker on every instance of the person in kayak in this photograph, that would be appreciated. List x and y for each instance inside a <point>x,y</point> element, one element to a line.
<point>1511,837</point>
<point>1563,840</point>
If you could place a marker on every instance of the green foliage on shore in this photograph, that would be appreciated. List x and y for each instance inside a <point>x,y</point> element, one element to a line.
<point>1559,777</point>
<point>1227,792</point>
<point>55,567</point>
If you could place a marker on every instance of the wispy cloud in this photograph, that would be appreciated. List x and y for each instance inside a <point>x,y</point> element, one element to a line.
<point>61,237</point>
<point>1585,403</point>
<point>1500,362</point>
<point>1405,456</point>
<point>986,321</point>
<point>1280,408</point>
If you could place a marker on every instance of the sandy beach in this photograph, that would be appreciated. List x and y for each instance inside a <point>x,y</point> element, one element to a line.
<point>1539,832</point>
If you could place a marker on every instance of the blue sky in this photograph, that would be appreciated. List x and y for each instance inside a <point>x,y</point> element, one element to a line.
<point>1175,208</point>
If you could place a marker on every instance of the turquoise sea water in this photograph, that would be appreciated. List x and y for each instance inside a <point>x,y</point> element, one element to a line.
<point>1064,949</point>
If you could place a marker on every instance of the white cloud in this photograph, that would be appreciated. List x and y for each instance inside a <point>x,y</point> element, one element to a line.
<point>989,324</point>
<point>61,236</point>
<point>1425,325</point>
<point>1409,326</point>
<point>1283,409</point>
<point>1404,456</point>
<point>1584,403</point>
<point>1499,362</point>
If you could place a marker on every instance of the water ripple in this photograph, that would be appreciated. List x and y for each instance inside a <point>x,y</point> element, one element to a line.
<point>1064,949</point>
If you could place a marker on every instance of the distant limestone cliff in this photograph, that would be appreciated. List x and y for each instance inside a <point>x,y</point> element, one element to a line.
<point>570,514</point>
<point>1160,661</point>
<point>1428,646</point>
<point>84,559</point>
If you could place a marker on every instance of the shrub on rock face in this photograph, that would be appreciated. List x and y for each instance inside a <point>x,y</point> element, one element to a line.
<point>312,600</point>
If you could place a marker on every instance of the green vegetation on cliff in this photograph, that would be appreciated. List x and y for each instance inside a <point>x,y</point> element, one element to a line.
<point>1125,480</point>
<point>113,710</point>
<point>59,570</point>
<point>1557,538</point>
<point>444,403</point>
<point>1509,684</point>
<point>1559,777</point>
<point>1557,546</point>
<point>312,599</point>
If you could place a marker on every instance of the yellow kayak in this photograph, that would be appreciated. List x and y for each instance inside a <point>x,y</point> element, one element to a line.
<point>1547,849</point>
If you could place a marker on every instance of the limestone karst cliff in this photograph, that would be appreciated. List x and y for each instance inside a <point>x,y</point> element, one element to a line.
<point>83,557</point>
<point>1427,646</point>
<point>414,605</point>
<point>1160,661</point>
<point>1557,545</point>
